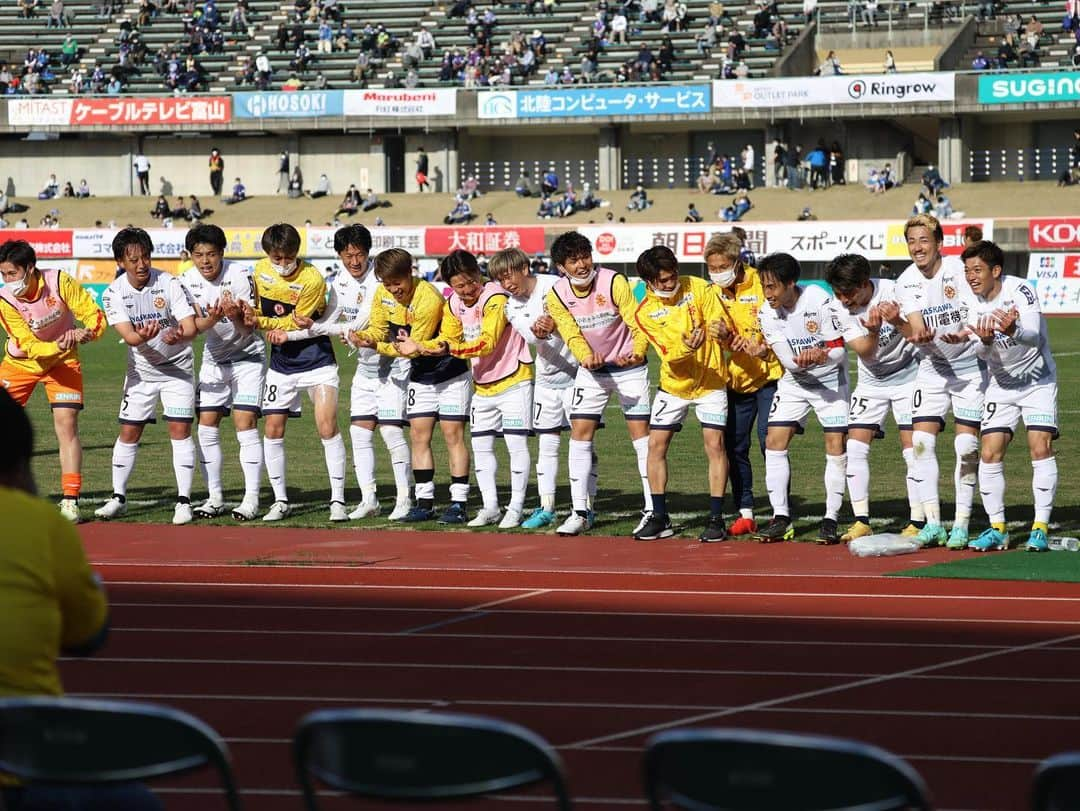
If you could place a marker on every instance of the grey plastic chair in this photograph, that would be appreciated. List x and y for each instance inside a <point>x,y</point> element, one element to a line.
<point>751,770</point>
<point>407,755</point>
<point>65,740</point>
<point>1056,786</point>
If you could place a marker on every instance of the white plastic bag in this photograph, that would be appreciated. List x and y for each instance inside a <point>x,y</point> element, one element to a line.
<point>885,544</point>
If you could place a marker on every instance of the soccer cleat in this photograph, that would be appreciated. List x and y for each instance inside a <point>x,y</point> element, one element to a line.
<point>401,509</point>
<point>113,508</point>
<point>742,526</point>
<point>829,534</point>
<point>485,517</point>
<point>574,525</point>
<point>69,508</point>
<point>1037,541</point>
<point>416,514</point>
<point>779,528</point>
<point>645,514</point>
<point>857,530</point>
<point>245,511</point>
<point>931,535</point>
<point>182,513</point>
<point>958,538</point>
<point>209,509</point>
<point>366,509</point>
<point>337,511</point>
<point>910,531</point>
<point>454,514</point>
<point>512,519</point>
<point>277,511</point>
<point>540,518</point>
<point>656,527</point>
<point>991,539</point>
<point>714,530</point>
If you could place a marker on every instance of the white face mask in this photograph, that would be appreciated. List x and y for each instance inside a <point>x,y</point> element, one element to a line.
<point>664,294</point>
<point>583,281</point>
<point>724,278</point>
<point>284,270</point>
<point>18,287</point>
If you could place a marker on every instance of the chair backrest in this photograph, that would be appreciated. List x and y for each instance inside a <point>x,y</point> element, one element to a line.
<point>751,770</point>
<point>396,754</point>
<point>1056,786</point>
<point>65,740</point>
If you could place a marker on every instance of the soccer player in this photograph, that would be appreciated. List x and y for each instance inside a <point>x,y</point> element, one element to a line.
<point>290,294</point>
<point>753,370</point>
<point>885,380</point>
<point>805,329</point>
<point>39,310</point>
<point>556,366</point>
<point>933,301</point>
<point>154,315</point>
<point>232,372</point>
<point>593,309</point>
<point>440,388</point>
<point>675,316</point>
<point>474,327</point>
<point>1009,332</point>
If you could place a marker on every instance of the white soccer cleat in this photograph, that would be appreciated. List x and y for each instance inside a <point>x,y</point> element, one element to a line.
<point>182,514</point>
<point>113,508</point>
<point>486,517</point>
<point>69,508</point>
<point>366,509</point>
<point>277,511</point>
<point>246,511</point>
<point>574,525</point>
<point>401,509</point>
<point>337,511</point>
<point>210,509</point>
<point>512,520</point>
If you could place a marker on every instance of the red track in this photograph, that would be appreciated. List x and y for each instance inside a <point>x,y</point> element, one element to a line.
<point>592,642</point>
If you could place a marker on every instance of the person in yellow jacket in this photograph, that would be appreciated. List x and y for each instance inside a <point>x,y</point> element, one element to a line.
<point>753,370</point>
<point>40,310</point>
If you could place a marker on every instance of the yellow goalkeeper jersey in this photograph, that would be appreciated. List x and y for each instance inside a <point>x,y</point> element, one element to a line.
<point>747,374</point>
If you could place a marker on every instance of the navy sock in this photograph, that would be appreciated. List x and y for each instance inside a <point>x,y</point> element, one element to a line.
<point>716,505</point>
<point>659,503</point>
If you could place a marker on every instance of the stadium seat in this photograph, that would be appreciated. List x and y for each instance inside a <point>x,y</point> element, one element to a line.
<point>1056,785</point>
<point>403,755</point>
<point>751,770</point>
<point>63,740</point>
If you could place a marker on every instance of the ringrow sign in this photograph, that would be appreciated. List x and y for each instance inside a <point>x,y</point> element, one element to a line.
<point>894,88</point>
<point>1003,88</point>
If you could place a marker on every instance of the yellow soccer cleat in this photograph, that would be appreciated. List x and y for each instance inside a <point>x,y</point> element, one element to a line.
<point>856,530</point>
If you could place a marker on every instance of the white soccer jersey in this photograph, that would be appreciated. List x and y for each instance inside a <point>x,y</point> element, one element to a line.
<point>815,320</point>
<point>162,299</point>
<point>895,363</point>
<point>224,342</point>
<point>1023,359</point>
<point>944,301</point>
<point>556,365</point>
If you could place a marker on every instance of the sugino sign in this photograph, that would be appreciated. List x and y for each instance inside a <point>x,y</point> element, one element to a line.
<point>1029,87</point>
<point>905,88</point>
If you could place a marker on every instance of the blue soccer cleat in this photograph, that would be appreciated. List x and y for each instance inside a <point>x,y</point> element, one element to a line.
<point>991,539</point>
<point>540,518</point>
<point>416,514</point>
<point>454,514</point>
<point>958,538</point>
<point>931,535</point>
<point>1037,542</point>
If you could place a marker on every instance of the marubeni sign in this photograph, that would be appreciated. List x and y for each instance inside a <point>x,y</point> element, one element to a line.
<point>1054,232</point>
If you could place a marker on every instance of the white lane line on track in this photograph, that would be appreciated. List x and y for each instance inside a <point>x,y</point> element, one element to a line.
<point>823,691</point>
<point>470,613</point>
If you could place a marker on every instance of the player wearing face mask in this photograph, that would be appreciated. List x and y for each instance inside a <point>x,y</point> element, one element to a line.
<point>753,370</point>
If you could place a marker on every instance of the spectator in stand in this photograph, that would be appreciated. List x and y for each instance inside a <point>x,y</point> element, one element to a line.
<point>874,184</point>
<point>639,199</point>
<point>238,23</point>
<point>69,50</point>
<point>371,201</point>
<point>239,194</point>
<point>296,184</point>
<point>836,164</point>
<point>322,188</point>
<point>69,190</point>
<point>818,160</point>
<point>706,39</point>
<point>933,182</point>
<point>550,183</point>
<point>350,204</point>
<point>922,205</point>
<point>195,210</point>
<point>217,170</point>
<point>180,212</point>
<point>547,209</point>
<point>943,209</point>
<point>422,170</point>
<point>890,63</point>
<point>831,66</point>
<point>980,62</point>
<point>460,214</point>
<point>806,215</point>
<point>264,71</point>
<point>50,190</point>
<point>619,25</point>
<point>1076,57</point>
<point>161,208</point>
<point>692,214</point>
<point>523,186</point>
<point>739,206</point>
<point>490,220</point>
<point>1006,53</point>
<point>986,10</point>
<point>470,189</point>
<point>84,189</point>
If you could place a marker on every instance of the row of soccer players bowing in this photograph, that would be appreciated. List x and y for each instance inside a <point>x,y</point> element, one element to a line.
<point>749,345</point>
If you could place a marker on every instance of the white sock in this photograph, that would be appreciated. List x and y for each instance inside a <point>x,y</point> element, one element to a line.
<point>777,478</point>
<point>547,469</point>
<point>965,476</point>
<point>835,478</point>
<point>746,512</point>
<point>1044,480</point>
<point>251,463</point>
<point>210,459</point>
<point>426,489</point>
<point>486,465</point>
<point>459,491</point>
<point>334,452</point>
<point>183,460</point>
<point>520,461</point>
<point>594,477</point>
<point>580,462</point>
<point>363,453</point>
<point>992,490</point>
<point>858,476</point>
<point>641,449</point>
<point>924,446</point>
<point>123,462</point>
<point>400,458</point>
<point>274,453</point>
<point>915,506</point>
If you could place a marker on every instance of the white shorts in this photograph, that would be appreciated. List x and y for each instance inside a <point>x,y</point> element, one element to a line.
<point>932,400</point>
<point>508,412</point>
<point>281,393</point>
<point>669,411</point>
<point>140,396</point>
<point>551,409</point>
<point>226,386</point>
<point>592,391</point>
<point>870,406</point>
<point>381,399</point>
<point>448,400</point>
<point>792,404</point>
<point>1037,405</point>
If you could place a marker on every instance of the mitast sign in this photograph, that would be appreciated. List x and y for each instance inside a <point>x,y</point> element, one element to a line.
<point>1056,232</point>
<point>1029,87</point>
<point>907,88</point>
